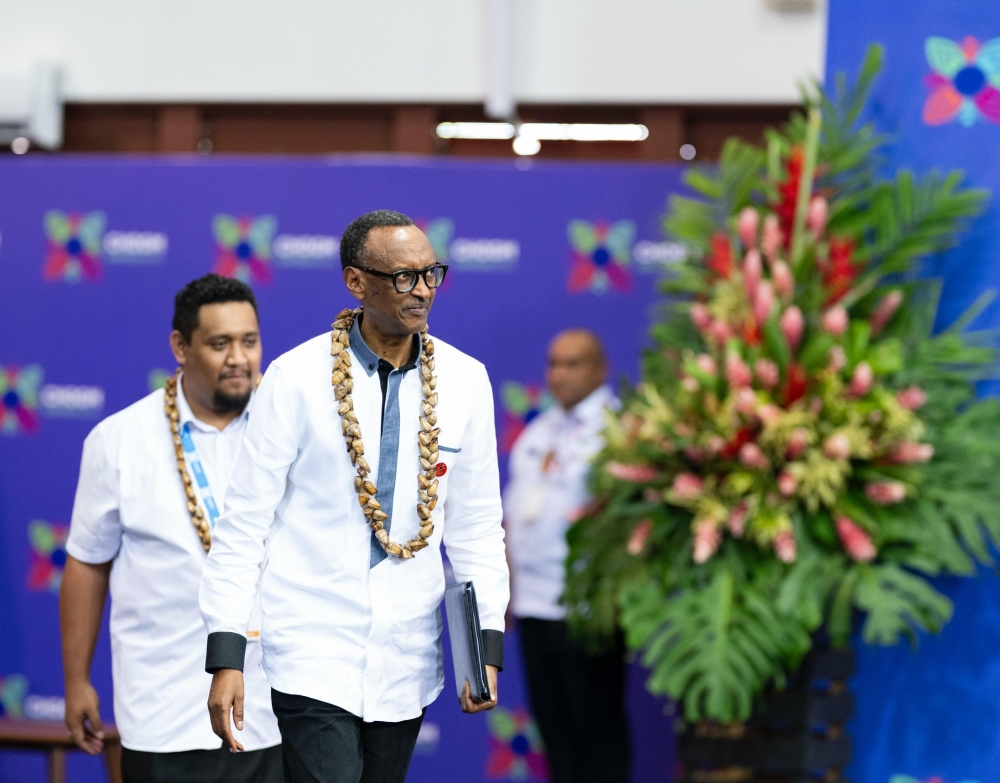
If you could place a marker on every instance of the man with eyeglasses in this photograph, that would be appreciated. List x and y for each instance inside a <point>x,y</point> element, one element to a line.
<point>350,487</point>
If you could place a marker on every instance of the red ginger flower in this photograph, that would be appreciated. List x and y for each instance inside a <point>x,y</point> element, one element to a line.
<point>788,194</point>
<point>839,273</point>
<point>720,260</point>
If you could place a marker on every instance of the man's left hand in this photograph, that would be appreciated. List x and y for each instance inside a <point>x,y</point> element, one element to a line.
<point>470,706</point>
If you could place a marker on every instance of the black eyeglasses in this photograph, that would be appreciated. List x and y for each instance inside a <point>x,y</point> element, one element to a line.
<point>405,280</point>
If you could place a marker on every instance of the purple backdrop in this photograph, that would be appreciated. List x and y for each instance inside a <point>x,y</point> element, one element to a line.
<point>92,251</point>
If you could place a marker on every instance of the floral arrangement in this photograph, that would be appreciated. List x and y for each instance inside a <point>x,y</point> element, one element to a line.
<point>804,447</point>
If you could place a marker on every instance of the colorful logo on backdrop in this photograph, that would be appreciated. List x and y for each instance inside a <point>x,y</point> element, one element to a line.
<point>13,690</point>
<point>243,247</point>
<point>78,244</point>
<point>48,555</point>
<point>521,404</point>
<point>601,253</point>
<point>19,398</point>
<point>74,245</point>
<point>439,231</point>
<point>964,81</point>
<point>469,254</point>
<point>516,751</point>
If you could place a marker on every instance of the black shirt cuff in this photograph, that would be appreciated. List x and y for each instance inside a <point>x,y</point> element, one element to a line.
<point>226,650</point>
<point>493,648</point>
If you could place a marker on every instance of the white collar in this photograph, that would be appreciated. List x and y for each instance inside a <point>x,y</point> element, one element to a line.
<point>591,406</point>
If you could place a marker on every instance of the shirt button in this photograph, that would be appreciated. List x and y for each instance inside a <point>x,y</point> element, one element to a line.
<point>371,366</point>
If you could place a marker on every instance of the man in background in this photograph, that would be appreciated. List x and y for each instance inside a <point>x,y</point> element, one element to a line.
<point>151,481</point>
<point>576,698</point>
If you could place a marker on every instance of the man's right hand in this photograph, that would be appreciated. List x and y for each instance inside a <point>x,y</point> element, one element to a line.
<point>225,697</point>
<point>83,717</point>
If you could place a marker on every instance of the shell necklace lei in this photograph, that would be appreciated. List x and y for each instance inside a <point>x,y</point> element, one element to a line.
<point>427,439</point>
<point>198,518</point>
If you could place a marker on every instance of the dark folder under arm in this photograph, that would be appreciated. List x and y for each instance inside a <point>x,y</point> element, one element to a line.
<point>466,640</point>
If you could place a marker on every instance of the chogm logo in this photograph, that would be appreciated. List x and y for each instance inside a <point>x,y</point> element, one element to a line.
<point>13,690</point>
<point>85,402</point>
<point>515,746</point>
<point>19,398</point>
<point>22,397</point>
<point>601,255</point>
<point>602,252</point>
<point>77,242</point>
<point>521,404</point>
<point>16,703</point>
<point>246,246</point>
<point>74,246</point>
<point>476,255</point>
<point>48,555</point>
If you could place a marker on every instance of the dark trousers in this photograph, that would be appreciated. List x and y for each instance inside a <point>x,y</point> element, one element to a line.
<point>578,702</point>
<point>202,766</point>
<point>321,743</point>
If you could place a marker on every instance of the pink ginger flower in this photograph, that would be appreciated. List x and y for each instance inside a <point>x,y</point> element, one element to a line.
<point>769,413</point>
<point>689,384</point>
<point>700,316</point>
<point>637,474</point>
<point>885,493</point>
<point>737,372</point>
<point>736,523</point>
<point>912,398</point>
<point>787,483</point>
<point>752,270</point>
<point>856,542</point>
<point>792,325</point>
<point>706,540</point>
<point>885,310</point>
<point>706,364</point>
<point>694,454</point>
<point>837,446</point>
<point>784,546</point>
<point>771,237</point>
<point>816,217</point>
<point>911,452</point>
<point>637,541</point>
<point>766,372</point>
<point>746,402</point>
<point>715,444</point>
<point>763,301</point>
<point>835,321</point>
<point>687,486</point>
<point>747,226</point>
<point>753,457</point>
<point>784,282</point>
<point>720,331</point>
<point>838,358</point>
<point>861,382</point>
<point>797,443</point>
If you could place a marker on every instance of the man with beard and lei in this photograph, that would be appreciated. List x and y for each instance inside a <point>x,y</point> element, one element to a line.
<point>369,447</point>
<point>151,484</point>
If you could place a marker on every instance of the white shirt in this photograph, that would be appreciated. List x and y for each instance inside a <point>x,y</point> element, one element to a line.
<point>366,639</point>
<point>546,490</point>
<point>130,507</point>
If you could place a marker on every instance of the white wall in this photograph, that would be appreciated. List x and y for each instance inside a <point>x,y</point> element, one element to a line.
<point>581,51</point>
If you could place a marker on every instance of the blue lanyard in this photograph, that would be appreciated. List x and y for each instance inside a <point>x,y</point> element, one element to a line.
<point>201,485</point>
